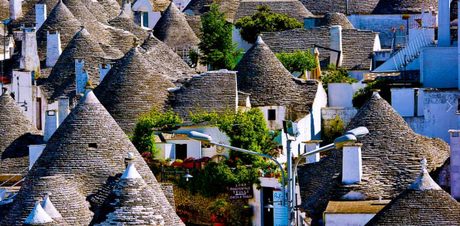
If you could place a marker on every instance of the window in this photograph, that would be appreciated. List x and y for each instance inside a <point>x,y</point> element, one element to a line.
<point>92,145</point>
<point>271,114</point>
<point>145,19</point>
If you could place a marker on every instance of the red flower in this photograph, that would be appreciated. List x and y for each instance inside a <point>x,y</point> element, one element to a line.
<point>230,160</point>
<point>236,159</point>
<point>213,217</point>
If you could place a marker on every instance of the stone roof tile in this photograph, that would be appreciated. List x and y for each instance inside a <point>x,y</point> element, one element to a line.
<point>332,19</point>
<point>263,76</point>
<point>358,45</point>
<point>91,146</point>
<point>229,7</point>
<point>290,8</point>
<point>123,21</point>
<point>131,88</point>
<point>391,155</point>
<point>423,203</point>
<point>174,30</point>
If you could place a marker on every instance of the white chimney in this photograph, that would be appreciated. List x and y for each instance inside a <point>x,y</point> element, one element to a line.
<point>352,164</point>
<point>103,70</point>
<point>81,75</point>
<point>53,47</point>
<point>336,44</point>
<point>444,23</point>
<point>29,55</point>
<point>15,9</point>
<point>427,17</point>
<point>455,163</point>
<point>34,152</point>
<point>127,8</point>
<point>310,146</point>
<point>63,108</point>
<point>51,124</point>
<point>40,14</point>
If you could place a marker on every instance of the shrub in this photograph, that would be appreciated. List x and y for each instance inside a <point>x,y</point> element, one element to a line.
<point>297,61</point>
<point>335,75</point>
<point>363,94</point>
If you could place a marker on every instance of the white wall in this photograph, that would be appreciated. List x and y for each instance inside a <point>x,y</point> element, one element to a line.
<point>193,147</point>
<point>340,95</point>
<point>439,116</point>
<point>166,150</point>
<point>146,6</point>
<point>439,67</point>
<point>276,124</point>
<point>347,219</point>
<point>383,24</point>
<point>402,100</point>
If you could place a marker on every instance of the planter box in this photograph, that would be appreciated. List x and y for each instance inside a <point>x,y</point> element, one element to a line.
<point>177,164</point>
<point>189,165</point>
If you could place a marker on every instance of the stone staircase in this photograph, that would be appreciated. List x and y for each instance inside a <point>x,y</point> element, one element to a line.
<point>405,56</point>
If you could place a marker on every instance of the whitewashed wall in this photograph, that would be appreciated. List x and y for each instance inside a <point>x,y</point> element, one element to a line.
<point>347,219</point>
<point>146,6</point>
<point>439,67</point>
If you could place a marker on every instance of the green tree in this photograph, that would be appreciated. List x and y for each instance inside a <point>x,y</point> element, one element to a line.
<point>216,43</point>
<point>144,137</point>
<point>245,129</point>
<point>264,20</point>
<point>336,75</point>
<point>297,61</point>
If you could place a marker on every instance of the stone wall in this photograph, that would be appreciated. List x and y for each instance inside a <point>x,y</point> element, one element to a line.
<point>198,207</point>
<point>328,115</point>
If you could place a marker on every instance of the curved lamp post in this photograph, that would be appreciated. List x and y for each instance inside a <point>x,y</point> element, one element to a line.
<point>350,137</point>
<point>208,139</point>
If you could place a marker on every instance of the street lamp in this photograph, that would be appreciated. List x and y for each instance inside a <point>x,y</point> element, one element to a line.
<point>349,137</point>
<point>208,139</point>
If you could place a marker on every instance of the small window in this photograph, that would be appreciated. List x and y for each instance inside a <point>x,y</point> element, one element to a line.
<point>271,114</point>
<point>455,134</point>
<point>145,19</point>
<point>92,145</point>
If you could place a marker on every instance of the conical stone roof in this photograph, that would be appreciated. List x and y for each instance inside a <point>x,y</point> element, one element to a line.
<point>65,195</point>
<point>62,81</point>
<point>262,75</point>
<point>132,202</point>
<point>132,88</point>
<point>174,30</point>
<point>97,10</point>
<point>16,134</point>
<point>123,21</point>
<point>91,146</point>
<point>391,154</point>
<point>423,203</point>
<point>165,61</point>
<point>332,19</point>
<point>229,7</point>
<point>4,10</point>
<point>112,7</point>
<point>60,19</point>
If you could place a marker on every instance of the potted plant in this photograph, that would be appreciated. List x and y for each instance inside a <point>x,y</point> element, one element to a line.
<point>177,163</point>
<point>269,172</point>
<point>168,161</point>
<point>189,162</point>
<point>147,156</point>
<point>183,215</point>
<point>202,162</point>
<point>218,212</point>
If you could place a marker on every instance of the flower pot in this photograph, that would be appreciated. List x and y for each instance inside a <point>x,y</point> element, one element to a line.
<point>219,224</point>
<point>277,175</point>
<point>260,174</point>
<point>188,165</point>
<point>270,175</point>
<point>184,219</point>
<point>177,164</point>
<point>203,164</point>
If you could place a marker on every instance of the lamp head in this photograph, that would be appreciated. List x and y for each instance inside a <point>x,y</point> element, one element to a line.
<point>344,140</point>
<point>194,135</point>
<point>358,132</point>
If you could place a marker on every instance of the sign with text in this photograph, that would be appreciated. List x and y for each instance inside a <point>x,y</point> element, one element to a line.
<point>280,212</point>
<point>241,191</point>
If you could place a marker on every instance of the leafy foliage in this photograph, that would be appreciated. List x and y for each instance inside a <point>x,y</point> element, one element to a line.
<point>335,129</point>
<point>336,75</point>
<point>297,61</point>
<point>216,40</point>
<point>245,129</point>
<point>363,94</point>
<point>143,137</point>
<point>264,20</point>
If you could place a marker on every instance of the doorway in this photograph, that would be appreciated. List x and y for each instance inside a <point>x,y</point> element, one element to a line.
<point>181,151</point>
<point>267,194</point>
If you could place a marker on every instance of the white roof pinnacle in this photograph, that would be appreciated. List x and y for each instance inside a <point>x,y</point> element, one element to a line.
<point>38,216</point>
<point>259,40</point>
<point>424,181</point>
<point>131,172</point>
<point>50,209</point>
